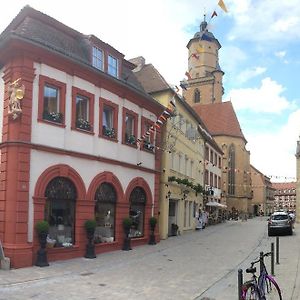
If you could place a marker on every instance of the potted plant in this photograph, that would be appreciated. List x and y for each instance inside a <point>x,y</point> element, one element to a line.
<point>42,229</point>
<point>127,223</point>
<point>174,229</point>
<point>90,226</point>
<point>152,222</point>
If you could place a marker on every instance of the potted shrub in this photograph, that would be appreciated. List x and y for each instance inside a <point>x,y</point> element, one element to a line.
<point>127,223</point>
<point>90,226</point>
<point>152,223</point>
<point>42,229</point>
<point>174,229</point>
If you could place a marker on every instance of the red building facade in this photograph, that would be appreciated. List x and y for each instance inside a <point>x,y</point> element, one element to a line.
<point>69,152</point>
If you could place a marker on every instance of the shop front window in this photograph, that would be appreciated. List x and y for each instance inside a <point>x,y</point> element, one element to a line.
<point>137,202</point>
<point>105,209</point>
<point>60,212</point>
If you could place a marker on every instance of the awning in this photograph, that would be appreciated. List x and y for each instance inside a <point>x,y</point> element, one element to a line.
<point>212,203</point>
<point>216,204</point>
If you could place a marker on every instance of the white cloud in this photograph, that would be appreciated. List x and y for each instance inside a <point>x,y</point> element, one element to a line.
<point>280,54</point>
<point>231,65</point>
<point>264,21</point>
<point>274,153</point>
<point>267,98</point>
<point>247,74</point>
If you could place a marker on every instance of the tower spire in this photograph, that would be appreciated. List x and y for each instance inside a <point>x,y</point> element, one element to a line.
<point>203,24</point>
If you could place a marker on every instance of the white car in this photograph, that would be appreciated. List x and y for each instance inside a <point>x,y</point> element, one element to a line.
<point>280,222</point>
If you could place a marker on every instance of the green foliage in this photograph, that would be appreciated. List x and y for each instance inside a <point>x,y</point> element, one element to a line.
<point>90,224</point>
<point>152,221</point>
<point>42,227</point>
<point>171,178</point>
<point>197,188</point>
<point>127,223</point>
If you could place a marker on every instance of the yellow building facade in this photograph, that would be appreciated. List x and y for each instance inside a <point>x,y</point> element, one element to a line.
<point>182,162</point>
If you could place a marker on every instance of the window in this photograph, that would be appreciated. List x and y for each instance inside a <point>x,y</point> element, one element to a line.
<point>211,179</point>
<point>97,58</point>
<point>215,181</point>
<point>206,177</point>
<point>108,119</point>
<point>60,211</point>
<point>82,113</point>
<point>52,98</point>
<point>197,96</point>
<point>82,110</point>
<point>231,170</point>
<point>112,66</point>
<point>206,153</point>
<point>220,162</point>
<point>211,157</point>
<point>105,212</point>
<point>129,127</point>
<point>137,202</point>
<point>148,142</point>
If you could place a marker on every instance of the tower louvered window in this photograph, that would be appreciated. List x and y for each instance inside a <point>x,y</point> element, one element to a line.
<point>197,96</point>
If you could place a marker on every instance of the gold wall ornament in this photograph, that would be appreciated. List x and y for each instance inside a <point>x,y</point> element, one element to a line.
<point>16,93</point>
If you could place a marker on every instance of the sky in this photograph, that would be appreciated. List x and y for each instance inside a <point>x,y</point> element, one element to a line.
<point>260,57</point>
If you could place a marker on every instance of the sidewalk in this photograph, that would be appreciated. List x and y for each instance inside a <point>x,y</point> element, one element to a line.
<point>191,266</point>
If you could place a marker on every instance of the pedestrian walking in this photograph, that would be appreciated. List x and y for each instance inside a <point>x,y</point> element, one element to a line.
<point>199,220</point>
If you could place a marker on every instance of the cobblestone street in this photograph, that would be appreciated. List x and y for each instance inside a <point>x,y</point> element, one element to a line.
<point>195,265</point>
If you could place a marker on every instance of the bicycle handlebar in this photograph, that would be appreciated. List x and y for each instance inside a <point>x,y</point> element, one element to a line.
<point>257,261</point>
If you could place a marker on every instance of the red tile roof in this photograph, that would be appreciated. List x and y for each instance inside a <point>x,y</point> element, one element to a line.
<point>220,119</point>
<point>284,185</point>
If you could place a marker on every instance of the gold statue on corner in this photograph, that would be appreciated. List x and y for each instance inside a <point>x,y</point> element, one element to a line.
<point>16,93</point>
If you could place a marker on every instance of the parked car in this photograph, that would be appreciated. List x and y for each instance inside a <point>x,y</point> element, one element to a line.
<point>280,222</point>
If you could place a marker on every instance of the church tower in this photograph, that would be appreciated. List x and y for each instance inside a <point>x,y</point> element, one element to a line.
<point>204,83</point>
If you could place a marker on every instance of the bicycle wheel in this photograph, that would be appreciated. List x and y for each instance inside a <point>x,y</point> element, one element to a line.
<point>249,292</point>
<point>271,289</point>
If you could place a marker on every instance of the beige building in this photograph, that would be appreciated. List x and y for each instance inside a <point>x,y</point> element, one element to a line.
<point>183,159</point>
<point>285,195</point>
<point>298,182</point>
<point>203,90</point>
<point>258,192</point>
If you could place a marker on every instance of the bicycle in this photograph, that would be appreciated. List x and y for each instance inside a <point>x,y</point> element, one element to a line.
<point>263,287</point>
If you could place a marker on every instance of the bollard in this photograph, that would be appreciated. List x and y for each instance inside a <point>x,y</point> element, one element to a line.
<point>272,259</point>
<point>277,250</point>
<point>240,283</point>
<point>261,261</point>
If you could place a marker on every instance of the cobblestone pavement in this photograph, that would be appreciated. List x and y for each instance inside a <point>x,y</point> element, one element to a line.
<point>196,265</point>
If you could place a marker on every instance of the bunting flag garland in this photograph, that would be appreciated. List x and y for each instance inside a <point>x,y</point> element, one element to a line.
<point>188,75</point>
<point>167,113</point>
<point>214,14</point>
<point>183,86</point>
<point>195,55</point>
<point>200,49</point>
<point>222,5</point>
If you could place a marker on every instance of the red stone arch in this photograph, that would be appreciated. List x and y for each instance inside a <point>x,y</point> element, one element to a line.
<point>39,201</point>
<point>61,170</point>
<point>139,182</point>
<point>109,178</point>
<point>121,206</point>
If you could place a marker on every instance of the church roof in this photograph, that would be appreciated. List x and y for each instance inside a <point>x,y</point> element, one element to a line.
<point>220,119</point>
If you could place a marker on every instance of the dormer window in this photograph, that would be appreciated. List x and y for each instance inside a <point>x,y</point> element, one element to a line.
<point>97,58</point>
<point>112,66</point>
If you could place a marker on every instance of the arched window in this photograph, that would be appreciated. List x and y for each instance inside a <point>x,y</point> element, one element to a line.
<point>105,213</point>
<point>60,211</point>
<point>197,96</point>
<point>231,170</point>
<point>137,201</point>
